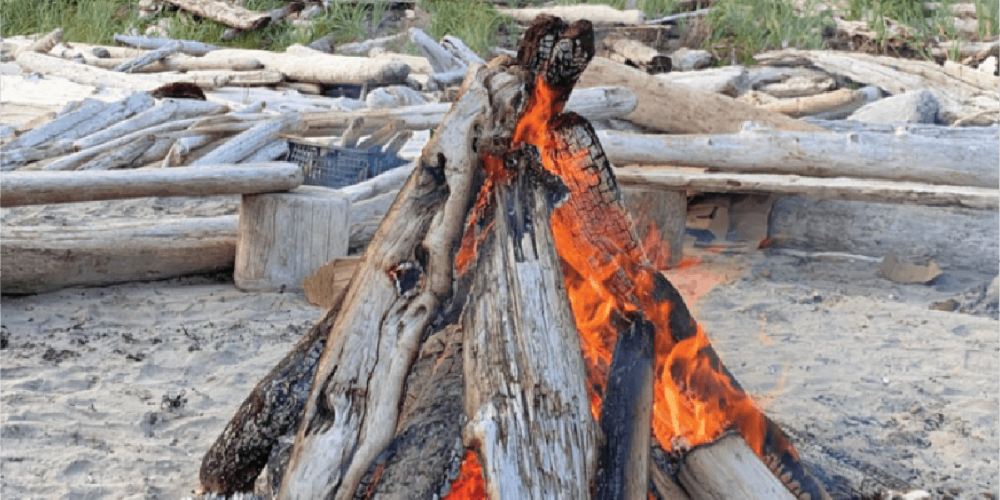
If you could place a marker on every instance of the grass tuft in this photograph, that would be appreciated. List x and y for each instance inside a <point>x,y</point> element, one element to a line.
<point>476,22</point>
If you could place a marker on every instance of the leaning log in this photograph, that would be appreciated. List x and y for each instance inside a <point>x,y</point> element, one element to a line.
<point>245,143</point>
<point>863,156</point>
<point>41,259</point>
<point>837,188</point>
<point>678,110</point>
<point>40,188</point>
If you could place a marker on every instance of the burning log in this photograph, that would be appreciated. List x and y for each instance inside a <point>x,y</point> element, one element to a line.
<point>498,283</point>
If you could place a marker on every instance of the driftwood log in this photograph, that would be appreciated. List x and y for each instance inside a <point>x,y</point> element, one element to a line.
<point>460,309</point>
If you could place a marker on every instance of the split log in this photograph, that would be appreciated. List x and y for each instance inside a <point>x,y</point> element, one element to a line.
<point>837,188</point>
<point>225,13</point>
<point>169,110</point>
<point>144,42</point>
<point>679,110</point>
<point>863,156</point>
<point>149,57</point>
<point>286,237</point>
<point>597,14</point>
<point>39,188</point>
<point>441,60</point>
<point>912,233</point>
<point>728,469</point>
<point>829,106</point>
<point>638,55</point>
<point>42,259</point>
<point>318,67</point>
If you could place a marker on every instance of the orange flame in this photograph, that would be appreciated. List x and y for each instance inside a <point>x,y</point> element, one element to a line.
<point>469,485</point>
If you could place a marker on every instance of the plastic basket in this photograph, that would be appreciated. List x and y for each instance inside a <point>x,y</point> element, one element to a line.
<point>340,167</point>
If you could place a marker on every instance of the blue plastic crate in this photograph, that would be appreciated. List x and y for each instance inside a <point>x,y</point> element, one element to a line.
<point>340,167</point>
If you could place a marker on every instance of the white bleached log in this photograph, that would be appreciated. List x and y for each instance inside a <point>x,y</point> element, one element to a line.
<point>155,153</point>
<point>74,160</point>
<point>835,188</point>
<point>90,75</point>
<point>418,64</point>
<point>913,233</point>
<point>268,152</point>
<point>64,124</point>
<point>170,109</point>
<point>800,86</point>
<point>864,156</point>
<point>363,48</point>
<point>286,237</point>
<point>42,259</point>
<point>830,105</point>
<point>460,50</point>
<point>598,14</point>
<point>318,67</point>
<point>39,188</point>
<point>225,13</point>
<point>440,59</point>
<point>990,133</point>
<point>366,217</point>
<point>386,182</point>
<point>43,44</point>
<point>975,51</point>
<point>637,54</point>
<point>182,63</point>
<point>122,156</point>
<point>730,80</point>
<point>677,109</point>
<point>438,81</point>
<point>144,42</point>
<point>149,57</point>
<point>244,144</point>
<point>727,469</point>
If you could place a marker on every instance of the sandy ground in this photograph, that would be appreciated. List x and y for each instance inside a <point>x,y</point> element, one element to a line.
<point>117,392</point>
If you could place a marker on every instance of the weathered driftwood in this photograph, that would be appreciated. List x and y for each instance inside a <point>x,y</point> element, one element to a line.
<point>66,123</point>
<point>38,188</point>
<point>225,13</point>
<point>381,136</point>
<point>169,110</point>
<point>441,59</point>
<point>672,18</point>
<point>728,469</point>
<point>302,87</point>
<point>837,188</point>
<point>153,156</point>
<point>729,80</point>
<point>41,259</point>
<point>417,64</point>
<point>920,106</point>
<point>144,42</point>
<point>149,57</point>
<point>913,233</point>
<point>355,130</point>
<point>830,105</point>
<point>43,44</point>
<point>864,156</point>
<point>438,81</point>
<point>637,54</point>
<point>593,104</point>
<point>183,63</point>
<point>656,204</point>
<point>799,86</point>
<point>74,160</point>
<point>244,144</point>
<point>990,133</point>
<point>317,67</point>
<point>596,14</point>
<point>362,48</point>
<point>397,142</point>
<point>120,157</point>
<point>459,49</point>
<point>679,110</point>
<point>285,237</point>
<point>386,182</point>
<point>973,51</point>
<point>182,148</point>
<point>271,151</point>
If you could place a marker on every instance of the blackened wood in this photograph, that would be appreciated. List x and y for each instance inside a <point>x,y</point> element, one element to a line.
<point>626,413</point>
<point>272,410</point>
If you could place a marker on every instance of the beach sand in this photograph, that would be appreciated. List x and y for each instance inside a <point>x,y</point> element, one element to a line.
<point>117,392</point>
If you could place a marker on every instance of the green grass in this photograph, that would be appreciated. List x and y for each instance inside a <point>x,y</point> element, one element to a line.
<point>92,21</point>
<point>749,27</point>
<point>474,21</point>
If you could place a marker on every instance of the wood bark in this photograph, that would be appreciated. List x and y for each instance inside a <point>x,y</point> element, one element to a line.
<point>838,188</point>
<point>727,469</point>
<point>144,42</point>
<point>678,110</point>
<point>597,14</point>
<point>225,13</point>
<point>913,233</point>
<point>285,237</point>
<point>43,259</point>
<point>318,67</point>
<point>872,156</point>
<point>41,188</point>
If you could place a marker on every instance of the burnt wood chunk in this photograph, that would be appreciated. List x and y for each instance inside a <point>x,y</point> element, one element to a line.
<point>626,414</point>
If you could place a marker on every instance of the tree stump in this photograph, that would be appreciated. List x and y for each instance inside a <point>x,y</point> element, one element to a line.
<point>285,237</point>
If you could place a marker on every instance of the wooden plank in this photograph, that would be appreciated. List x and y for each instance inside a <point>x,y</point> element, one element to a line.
<point>36,188</point>
<point>41,259</point>
<point>835,188</point>
<point>909,158</point>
